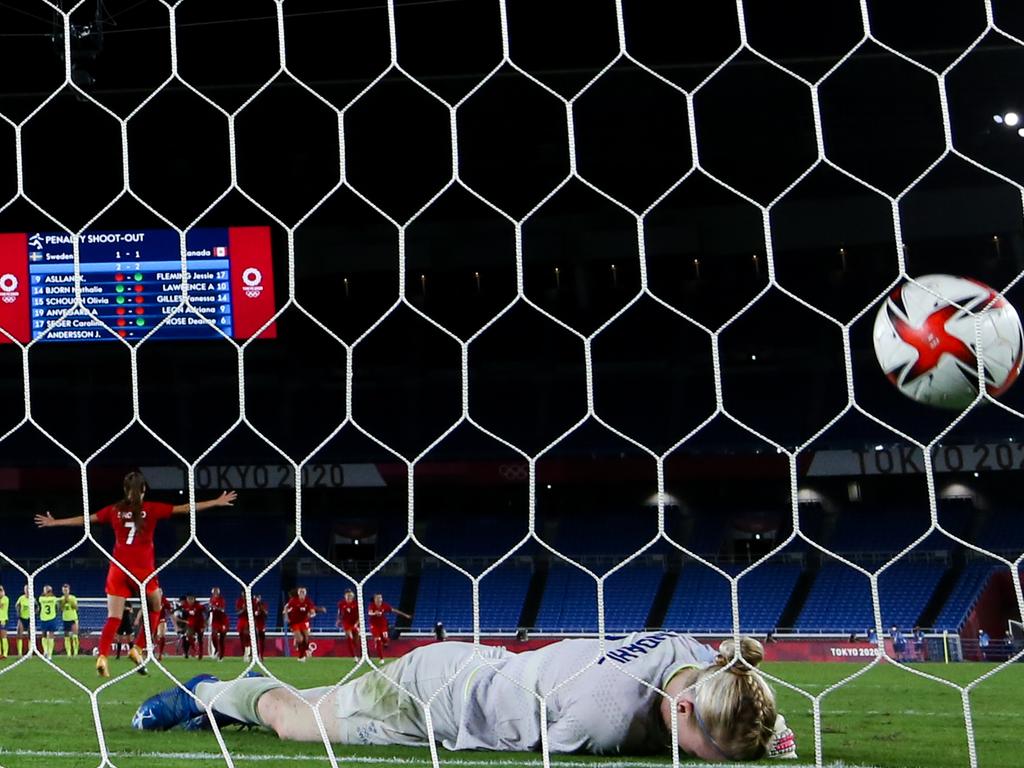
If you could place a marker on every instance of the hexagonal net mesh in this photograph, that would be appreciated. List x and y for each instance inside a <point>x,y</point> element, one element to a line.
<point>655,223</point>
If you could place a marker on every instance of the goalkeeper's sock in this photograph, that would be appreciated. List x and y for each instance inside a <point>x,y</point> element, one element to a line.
<point>4,645</point>
<point>76,644</point>
<point>48,646</point>
<point>238,698</point>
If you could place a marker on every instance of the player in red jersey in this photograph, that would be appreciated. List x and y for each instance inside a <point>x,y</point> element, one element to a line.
<point>299,610</point>
<point>193,616</point>
<point>348,620</point>
<point>259,612</point>
<point>378,613</point>
<point>133,519</point>
<point>242,625</point>
<point>218,622</point>
<point>166,612</point>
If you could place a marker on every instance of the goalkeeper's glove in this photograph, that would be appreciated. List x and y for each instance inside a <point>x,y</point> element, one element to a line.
<point>783,743</point>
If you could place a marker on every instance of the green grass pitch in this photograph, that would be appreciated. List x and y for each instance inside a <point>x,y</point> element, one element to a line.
<point>886,717</point>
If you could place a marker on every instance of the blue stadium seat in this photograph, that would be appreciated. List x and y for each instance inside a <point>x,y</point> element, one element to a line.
<point>966,591</point>
<point>502,594</point>
<point>481,536</point>
<point>569,602</point>
<point>763,595</point>
<point>1002,532</point>
<point>446,595</point>
<point>700,603</point>
<point>840,598</point>
<point>878,530</point>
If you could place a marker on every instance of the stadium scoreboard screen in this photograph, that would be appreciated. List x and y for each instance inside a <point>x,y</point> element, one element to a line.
<point>131,281</point>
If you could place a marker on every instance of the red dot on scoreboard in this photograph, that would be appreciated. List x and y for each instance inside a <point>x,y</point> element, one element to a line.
<point>120,310</point>
<point>139,299</point>
<point>140,311</point>
<point>138,289</point>
<point>122,334</point>
<point>119,277</point>
<point>120,322</point>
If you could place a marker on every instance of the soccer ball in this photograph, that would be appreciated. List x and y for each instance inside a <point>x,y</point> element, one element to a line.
<point>96,651</point>
<point>925,340</point>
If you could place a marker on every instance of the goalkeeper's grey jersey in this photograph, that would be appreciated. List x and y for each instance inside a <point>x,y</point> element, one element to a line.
<point>603,709</point>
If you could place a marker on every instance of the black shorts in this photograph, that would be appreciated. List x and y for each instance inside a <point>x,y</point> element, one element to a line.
<point>125,628</point>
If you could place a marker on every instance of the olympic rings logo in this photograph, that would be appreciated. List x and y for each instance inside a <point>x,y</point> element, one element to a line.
<point>514,471</point>
<point>252,282</point>
<point>8,288</point>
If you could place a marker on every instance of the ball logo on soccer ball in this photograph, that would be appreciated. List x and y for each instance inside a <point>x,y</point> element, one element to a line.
<point>926,343</point>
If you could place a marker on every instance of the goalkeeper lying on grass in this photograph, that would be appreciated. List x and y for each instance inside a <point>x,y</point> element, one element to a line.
<point>491,701</point>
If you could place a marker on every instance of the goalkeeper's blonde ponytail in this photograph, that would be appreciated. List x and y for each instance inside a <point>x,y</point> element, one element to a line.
<point>737,706</point>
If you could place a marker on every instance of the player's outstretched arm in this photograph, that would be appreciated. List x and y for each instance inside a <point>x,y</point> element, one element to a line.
<point>226,499</point>
<point>49,521</point>
<point>402,613</point>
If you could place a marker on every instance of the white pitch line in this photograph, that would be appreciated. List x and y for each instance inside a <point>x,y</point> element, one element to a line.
<point>258,758</point>
<point>39,701</point>
<point>907,713</point>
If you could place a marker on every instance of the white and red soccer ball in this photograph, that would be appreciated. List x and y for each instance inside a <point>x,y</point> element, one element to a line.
<point>925,340</point>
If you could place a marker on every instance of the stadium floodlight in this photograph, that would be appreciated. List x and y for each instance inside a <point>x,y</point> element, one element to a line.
<point>1011,119</point>
<point>1020,132</point>
<point>997,119</point>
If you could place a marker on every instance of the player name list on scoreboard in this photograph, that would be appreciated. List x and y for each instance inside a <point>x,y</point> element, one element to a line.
<point>127,283</point>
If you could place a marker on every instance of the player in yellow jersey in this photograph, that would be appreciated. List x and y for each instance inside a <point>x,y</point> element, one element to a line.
<point>69,615</point>
<point>5,616</point>
<point>24,608</point>
<point>49,624</point>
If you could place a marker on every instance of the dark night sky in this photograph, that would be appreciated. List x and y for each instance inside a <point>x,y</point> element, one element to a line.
<point>581,256</point>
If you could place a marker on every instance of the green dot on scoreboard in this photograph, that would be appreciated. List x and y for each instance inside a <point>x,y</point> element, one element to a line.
<point>119,289</point>
<point>140,321</point>
<point>138,277</point>
<point>120,299</point>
